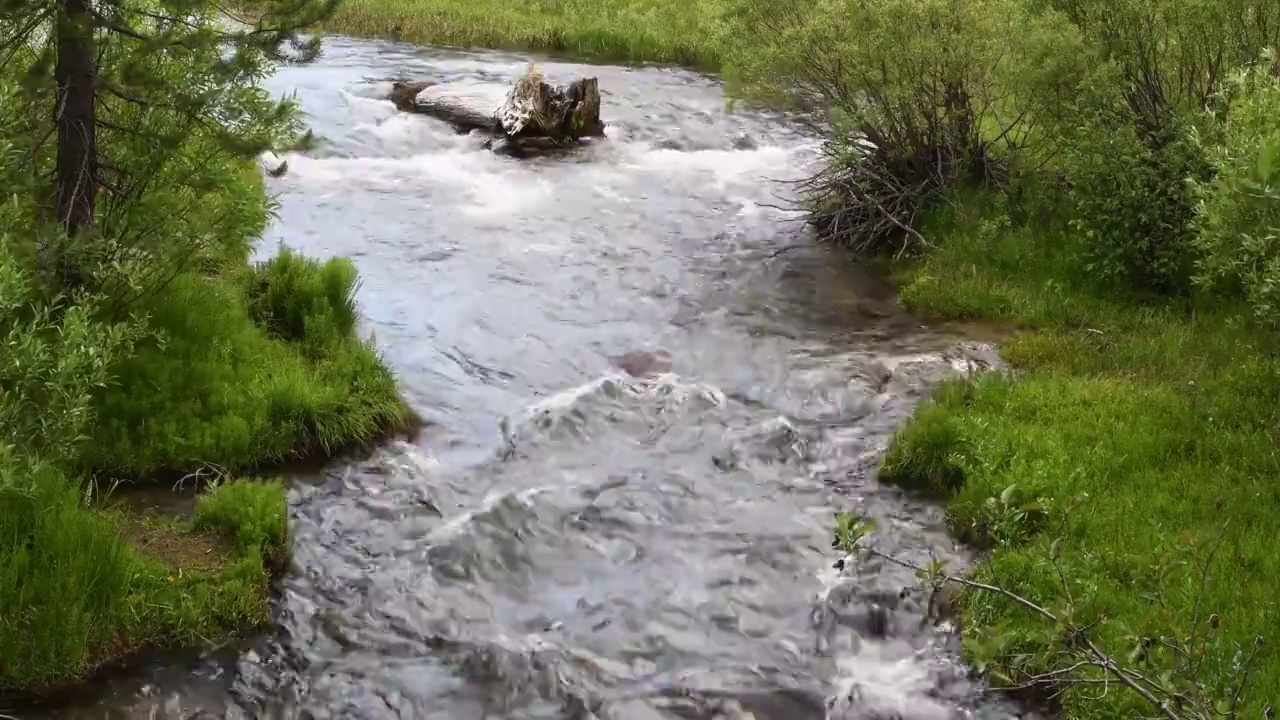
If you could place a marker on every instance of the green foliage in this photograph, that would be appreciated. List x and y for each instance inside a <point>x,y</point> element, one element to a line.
<point>251,511</point>
<point>1133,203</point>
<point>1238,215</point>
<point>155,355</point>
<point>177,112</point>
<point>64,575</point>
<point>1172,55</point>
<point>224,390</point>
<point>1125,141</point>
<point>300,300</point>
<point>1125,432</point>
<point>928,453</point>
<point>73,591</point>
<point>53,357</point>
<point>631,30</point>
<point>912,114</point>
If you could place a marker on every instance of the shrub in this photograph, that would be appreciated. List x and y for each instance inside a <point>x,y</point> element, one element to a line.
<point>920,96</point>
<point>1239,210</point>
<point>64,570</point>
<point>1125,141</point>
<point>1133,205</point>
<point>1173,55</point>
<point>53,357</point>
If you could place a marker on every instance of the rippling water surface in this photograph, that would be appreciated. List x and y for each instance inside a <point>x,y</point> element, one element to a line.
<point>566,540</point>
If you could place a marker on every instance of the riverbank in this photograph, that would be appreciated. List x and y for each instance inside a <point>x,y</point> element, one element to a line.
<point>1136,441</point>
<point>213,388</point>
<point>638,31</point>
<point>157,352</point>
<point>128,581</point>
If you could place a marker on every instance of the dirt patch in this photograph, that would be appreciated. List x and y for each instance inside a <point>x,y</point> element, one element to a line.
<point>172,541</point>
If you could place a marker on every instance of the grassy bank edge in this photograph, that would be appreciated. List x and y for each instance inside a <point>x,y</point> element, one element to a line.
<point>645,31</point>
<point>253,368</point>
<point>1129,439</point>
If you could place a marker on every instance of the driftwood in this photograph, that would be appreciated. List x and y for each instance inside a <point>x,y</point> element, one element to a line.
<point>535,117</point>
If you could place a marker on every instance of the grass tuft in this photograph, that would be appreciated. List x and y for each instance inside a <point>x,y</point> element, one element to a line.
<point>252,512</point>
<point>927,454</point>
<point>249,370</point>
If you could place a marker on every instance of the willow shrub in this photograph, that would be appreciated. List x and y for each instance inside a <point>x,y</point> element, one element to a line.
<point>1238,218</point>
<point>919,95</point>
<point>1126,144</point>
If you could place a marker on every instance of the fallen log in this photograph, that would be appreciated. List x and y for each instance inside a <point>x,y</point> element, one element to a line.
<point>413,97</point>
<point>535,117</point>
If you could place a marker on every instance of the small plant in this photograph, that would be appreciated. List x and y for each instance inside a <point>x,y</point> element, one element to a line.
<point>1005,519</point>
<point>303,300</point>
<point>251,511</point>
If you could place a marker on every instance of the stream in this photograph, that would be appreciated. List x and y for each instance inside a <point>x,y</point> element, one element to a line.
<point>564,539</point>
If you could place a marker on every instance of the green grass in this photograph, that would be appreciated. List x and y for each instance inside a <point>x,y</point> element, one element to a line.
<point>661,31</point>
<point>247,367</point>
<point>1147,426</point>
<point>91,586</point>
<point>249,370</point>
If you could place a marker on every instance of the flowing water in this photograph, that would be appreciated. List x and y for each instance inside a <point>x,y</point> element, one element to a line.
<point>566,540</point>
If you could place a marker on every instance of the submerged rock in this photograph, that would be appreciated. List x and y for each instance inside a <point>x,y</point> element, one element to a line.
<point>639,363</point>
<point>535,117</point>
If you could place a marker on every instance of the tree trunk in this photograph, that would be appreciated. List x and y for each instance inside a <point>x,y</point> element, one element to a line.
<point>76,176</point>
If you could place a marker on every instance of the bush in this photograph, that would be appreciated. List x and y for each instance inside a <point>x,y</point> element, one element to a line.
<point>1239,210</point>
<point>1173,55</point>
<point>1133,204</point>
<point>920,96</point>
<point>1125,142</point>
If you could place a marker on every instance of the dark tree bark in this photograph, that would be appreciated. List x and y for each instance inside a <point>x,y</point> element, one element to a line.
<point>75,115</point>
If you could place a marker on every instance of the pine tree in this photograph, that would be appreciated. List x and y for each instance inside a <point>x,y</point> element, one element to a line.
<point>123,88</point>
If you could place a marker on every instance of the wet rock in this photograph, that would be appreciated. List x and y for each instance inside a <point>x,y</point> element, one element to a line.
<point>536,118</point>
<point>640,363</point>
<point>912,375</point>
